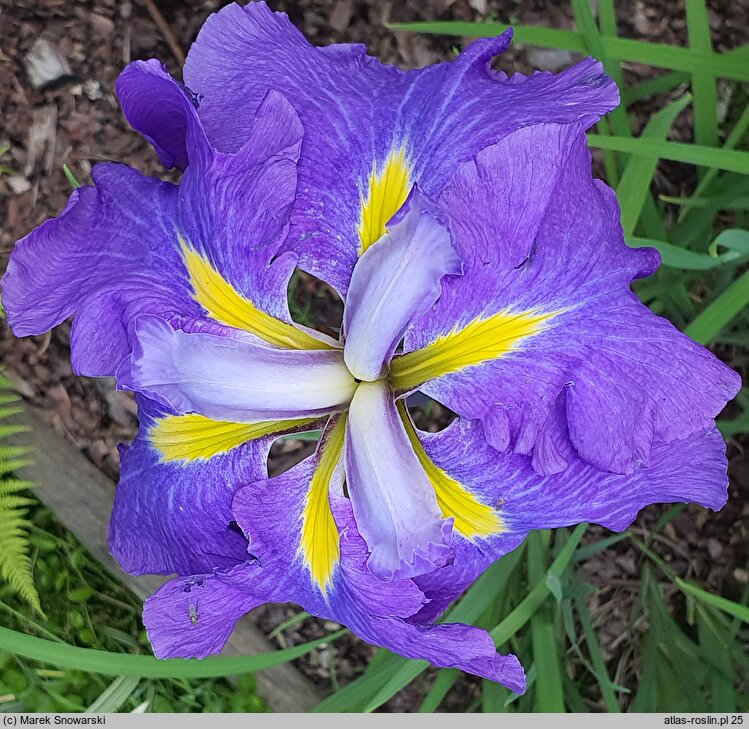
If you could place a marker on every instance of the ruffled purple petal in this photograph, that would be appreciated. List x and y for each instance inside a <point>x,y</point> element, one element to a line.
<point>193,616</point>
<point>356,111</point>
<point>116,250</point>
<point>690,470</point>
<point>605,378</point>
<point>233,377</point>
<point>175,516</point>
<point>395,281</point>
<point>107,257</point>
<point>152,101</point>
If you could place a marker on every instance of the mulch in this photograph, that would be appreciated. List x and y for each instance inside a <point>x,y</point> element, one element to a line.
<point>77,122</point>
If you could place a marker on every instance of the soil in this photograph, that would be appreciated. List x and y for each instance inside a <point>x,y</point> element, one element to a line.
<point>77,122</point>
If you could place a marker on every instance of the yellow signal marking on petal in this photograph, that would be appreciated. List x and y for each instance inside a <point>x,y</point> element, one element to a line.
<point>194,437</point>
<point>319,545</point>
<point>224,303</point>
<point>477,342</point>
<point>472,518</point>
<point>388,188</point>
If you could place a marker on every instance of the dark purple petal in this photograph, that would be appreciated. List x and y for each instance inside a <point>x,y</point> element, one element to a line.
<point>394,282</point>
<point>175,516</point>
<point>392,498</point>
<point>193,616</point>
<point>356,111</point>
<point>106,258</point>
<point>116,250</point>
<point>690,470</point>
<point>154,103</point>
<point>233,378</point>
<point>604,376</point>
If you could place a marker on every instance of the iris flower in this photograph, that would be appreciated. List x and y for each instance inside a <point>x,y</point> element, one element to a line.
<point>454,211</point>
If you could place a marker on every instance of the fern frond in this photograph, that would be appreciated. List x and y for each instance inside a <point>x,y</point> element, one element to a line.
<point>12,464</point>
<point>6,412</point>
<point>15,561</point>
<point>8,452</point>
<point>9,503</point>
<point>12,486</point>
<point>8,430</point>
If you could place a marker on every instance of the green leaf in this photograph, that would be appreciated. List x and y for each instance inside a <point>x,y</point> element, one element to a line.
<point>724,159</point>
<point>728,65</point>
<point>721,603</point>
<point>115,695</point>
<point>596,656</point>
<point>71,177</point>
<point>555,587</point>
<point>15,560</point>
<point>708,324</point>
<point>549,694</point>
<point>703,80</point>
<point>533,600</point>
<point>634,184</point>
<point>654,86</point>
<point>64,655</point>
<point>445,680</point>
<point>676,257</point>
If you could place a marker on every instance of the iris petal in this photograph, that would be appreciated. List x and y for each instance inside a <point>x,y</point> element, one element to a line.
<point>395,281</point>
<point>393,500</point>
<point>233,378</point>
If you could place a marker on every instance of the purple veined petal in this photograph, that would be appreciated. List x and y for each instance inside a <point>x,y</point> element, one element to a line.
<point>193,615</point>
<point>595,373</point>
<point>394,282</point>
<point>393,500</point>
<point>359,113</point>
<point>153,101</point>
<point>232,377</point>
<point>115,253</point>
<point>173,515</point>
<point>690,470</point>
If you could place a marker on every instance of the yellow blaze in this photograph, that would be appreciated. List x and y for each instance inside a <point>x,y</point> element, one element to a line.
<point>387,190</point>
<point>479,341</point>
<point>319,545</point>
<point>195,437</point>
<point>472,518</point>
<point>225,304</point>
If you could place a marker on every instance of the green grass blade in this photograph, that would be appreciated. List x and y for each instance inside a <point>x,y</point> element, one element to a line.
<point>549,695</point>
<point>493,697</point>
<point>71,177</point>
<point>445,680</point>
<point>730,65</point>
<point>596,657</point>
<point>716,644</point>
<point>634,184</point>
<point>115,695</point>
<point>724,159</point>
<point>63,655</point>
<point>716,601</point>
<point>708,324</point>
<point>703,81</point>
<point>617,119</point>
<point>676,257</point>
<point>652,87</point>
<point>533,600</point>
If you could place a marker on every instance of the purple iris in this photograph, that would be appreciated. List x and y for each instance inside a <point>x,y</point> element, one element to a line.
<point>454,211</point>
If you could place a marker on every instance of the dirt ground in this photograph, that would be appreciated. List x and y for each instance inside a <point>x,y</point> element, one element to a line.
<point>77,122</point>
